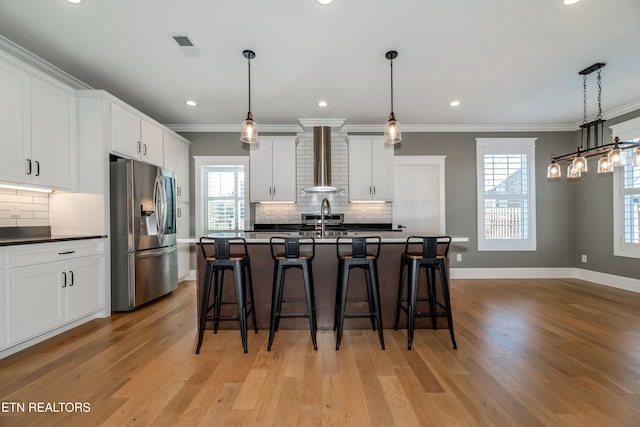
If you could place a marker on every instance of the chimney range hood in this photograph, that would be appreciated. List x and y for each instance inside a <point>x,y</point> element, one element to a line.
<point>322,161</point>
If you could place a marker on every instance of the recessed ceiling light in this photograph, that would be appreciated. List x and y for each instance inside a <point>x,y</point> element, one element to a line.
<point>75,1</point>
<point>322,104</point>
<point>571,1</point>
<point>325,1</point>
<point>454,103</point>
<point>191,103</point>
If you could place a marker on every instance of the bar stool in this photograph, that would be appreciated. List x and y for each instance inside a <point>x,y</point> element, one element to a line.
<point>226,254</point>
<point>422,252</point>
<point>352,253</point>
<point>292,252</point>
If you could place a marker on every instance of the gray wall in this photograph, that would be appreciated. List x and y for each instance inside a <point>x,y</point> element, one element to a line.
<point>569,222</point>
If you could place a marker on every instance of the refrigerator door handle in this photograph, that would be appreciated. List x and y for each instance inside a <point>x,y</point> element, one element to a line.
<point>157,201</point>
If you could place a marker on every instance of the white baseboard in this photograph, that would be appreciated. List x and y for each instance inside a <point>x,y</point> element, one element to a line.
<point>620,282</point>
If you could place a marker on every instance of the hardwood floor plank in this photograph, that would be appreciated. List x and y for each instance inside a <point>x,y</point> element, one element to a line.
<point>549,352</point>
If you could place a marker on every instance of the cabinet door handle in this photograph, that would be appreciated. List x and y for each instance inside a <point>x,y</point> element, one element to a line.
<point>374,190</point>
<point>179,189</point>
<point>37,168</point>
<point>139,146</point>
<point>66,252</point>
<point>28,166</point>
<point>370,190</point>
<point>144,149</point>
<point>71,277</point>
<point>64,279</point>
<point>179,212</point>
<point>274,191</point>
<point>270,192</point>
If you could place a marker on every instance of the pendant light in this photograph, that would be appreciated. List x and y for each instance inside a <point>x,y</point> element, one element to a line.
<point>392,132</point>
<point>249,129</point>
<point>553,170</point>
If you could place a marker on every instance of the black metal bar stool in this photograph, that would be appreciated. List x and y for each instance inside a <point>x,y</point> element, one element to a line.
<point>429,253</point>
<point>292,252</point>
<point>221,254</point>
<point>352,253</point>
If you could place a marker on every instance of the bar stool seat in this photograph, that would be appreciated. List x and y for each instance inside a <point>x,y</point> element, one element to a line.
<point>298,253</point>
<point>432,258</point>
<point>355,252</point>
<point>221,254</point>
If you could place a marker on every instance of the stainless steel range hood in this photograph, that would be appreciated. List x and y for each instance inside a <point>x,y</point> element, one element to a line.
<point>321,161</point>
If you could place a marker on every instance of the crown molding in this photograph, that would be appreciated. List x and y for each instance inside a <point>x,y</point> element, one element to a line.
<point>231,128</point>
<point>20,53</point>
<point>332,123</point>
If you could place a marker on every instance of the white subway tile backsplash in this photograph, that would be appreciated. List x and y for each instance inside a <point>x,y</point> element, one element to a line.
<point>21,208</point>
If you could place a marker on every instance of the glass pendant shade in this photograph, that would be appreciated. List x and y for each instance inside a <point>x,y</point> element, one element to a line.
<point>553,170</point>
<point>249,130</point>
<point>636,157</point>
<point>580,163</point>
<point>392,132</point>
<point>573,172</point>
<point>604,166</point>
<point>616,157</point>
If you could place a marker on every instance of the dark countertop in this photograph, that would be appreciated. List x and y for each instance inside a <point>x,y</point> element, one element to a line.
<point>11,236</point>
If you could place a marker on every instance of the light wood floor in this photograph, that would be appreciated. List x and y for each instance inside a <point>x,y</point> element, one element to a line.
<point>530,353</point>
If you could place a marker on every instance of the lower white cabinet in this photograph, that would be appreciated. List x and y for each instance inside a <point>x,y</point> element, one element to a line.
<point>183,248</point>
<point>3,313</point>
<point>51,284</point>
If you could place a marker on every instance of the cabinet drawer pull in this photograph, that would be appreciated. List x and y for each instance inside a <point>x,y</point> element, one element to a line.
<point>71,277</point>
<point>179,191</point>
<point>66,252</point>
<point>64,279</point>
<point>28,166</point>
<point>179,212</point>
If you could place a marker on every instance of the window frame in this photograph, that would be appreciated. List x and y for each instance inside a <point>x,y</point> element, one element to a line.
<point>505,146</point>
<point>201,162</point>
<point>626,131</point>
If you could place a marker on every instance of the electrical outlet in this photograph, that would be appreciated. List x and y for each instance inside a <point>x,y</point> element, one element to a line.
<point>14,210</point>
<point>584,258</point>
<point>458,257</point>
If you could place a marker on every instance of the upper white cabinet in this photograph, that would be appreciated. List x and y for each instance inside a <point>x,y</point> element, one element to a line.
<point>176,159</point>
<point>53,135</point>
<point>38,132</point>
<point>134,137</point>
<point>370,169</point>
<point>3,306</point>
<point>182,171</point>
<point>273,170</point>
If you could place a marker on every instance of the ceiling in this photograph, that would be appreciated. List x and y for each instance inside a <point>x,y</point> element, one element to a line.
<point>512,64</point>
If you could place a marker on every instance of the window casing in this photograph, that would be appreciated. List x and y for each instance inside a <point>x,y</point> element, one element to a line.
<point>626,196</point>
<point>221,202</point>
<point>506,194</point>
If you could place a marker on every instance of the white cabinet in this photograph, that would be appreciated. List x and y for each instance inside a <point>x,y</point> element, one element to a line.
<point>370,169</point>
<point>272,168</point>
<point>51,284</point>
<point>15,131</point>
<point>170,151</point>
<point>3,309</point>
<point>182,171</point>
<point>38,131</point>
<point>136,138</point>
<point>182,225</point>
<point>53,135</point>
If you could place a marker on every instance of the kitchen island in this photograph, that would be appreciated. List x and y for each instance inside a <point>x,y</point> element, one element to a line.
<point>325,271</point>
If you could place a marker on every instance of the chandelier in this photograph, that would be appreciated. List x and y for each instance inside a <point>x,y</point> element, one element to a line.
<point>592,141</point>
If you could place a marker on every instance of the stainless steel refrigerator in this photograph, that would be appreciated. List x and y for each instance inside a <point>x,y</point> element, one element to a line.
<point>144,256</point>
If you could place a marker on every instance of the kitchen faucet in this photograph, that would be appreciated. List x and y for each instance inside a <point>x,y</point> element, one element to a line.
<point>324,202</point>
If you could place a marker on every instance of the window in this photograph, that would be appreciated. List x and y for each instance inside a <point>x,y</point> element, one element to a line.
<point>506,194</point>
<point>221,201</point>
<point>626,196</point>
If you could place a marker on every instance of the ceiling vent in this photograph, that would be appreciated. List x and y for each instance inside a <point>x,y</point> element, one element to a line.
<point>183,41</point>
<point>186,45</point>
